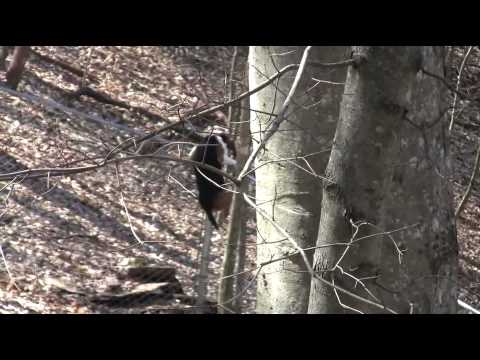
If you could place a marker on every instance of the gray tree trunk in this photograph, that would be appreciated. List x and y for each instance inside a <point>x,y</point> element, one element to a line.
<point>284,189</point>
<point>235,240</point>
<point>389,168</point>
<point>17,65</point>
<point>244,142</point>
<point>202,280</point>
<point>3,57</point>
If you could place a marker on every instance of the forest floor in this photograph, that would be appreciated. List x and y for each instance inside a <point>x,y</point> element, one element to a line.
<point>66,238</point>
<point>465,140</point>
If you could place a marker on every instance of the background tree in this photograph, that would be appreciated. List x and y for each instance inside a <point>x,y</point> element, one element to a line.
<point>388,192</point>
<point>231,285</point>
<point>289,170</point>
<point>17,64</point>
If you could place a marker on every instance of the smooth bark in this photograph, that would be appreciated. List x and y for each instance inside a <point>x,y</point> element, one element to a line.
<point>389,168</point>
<point>286,189</point>
<point>235,239</point>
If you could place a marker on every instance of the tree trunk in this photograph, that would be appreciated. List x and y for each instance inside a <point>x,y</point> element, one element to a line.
<point>245,141</point>
<point>3,56</point>
<point>237,220</point>
<point>17,65</point>
<point>286,190</point>
<point>235,240</point>
<point>240,283</point>
<point>388,169</point>
<point>202,281</point>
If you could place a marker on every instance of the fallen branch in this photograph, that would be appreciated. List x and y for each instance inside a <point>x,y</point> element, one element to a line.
<point>173,126</point>
<point>106,99</point>
<point>99,96</point>
<point>68,110</point>
<point>73,69</point>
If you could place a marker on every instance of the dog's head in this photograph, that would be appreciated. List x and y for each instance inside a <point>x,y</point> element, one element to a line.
<point>217,145</point>
<point>226,152</point>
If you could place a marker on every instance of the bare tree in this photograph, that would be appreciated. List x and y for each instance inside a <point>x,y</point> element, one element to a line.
<point>244,141</point>
<point>235,239</point>
<point>204,261</point>
<point>289,169</point>
<point>387,192</point>
<point>3,56</point>
<point>17,64</point>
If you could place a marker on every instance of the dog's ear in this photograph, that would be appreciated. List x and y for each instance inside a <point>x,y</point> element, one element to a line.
<point>225,152</point>
<point>230,144</point>
<point>217,141</point>
<point>193,154</point>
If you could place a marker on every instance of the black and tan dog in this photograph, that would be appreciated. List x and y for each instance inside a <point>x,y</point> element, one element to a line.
<point>217,150</point>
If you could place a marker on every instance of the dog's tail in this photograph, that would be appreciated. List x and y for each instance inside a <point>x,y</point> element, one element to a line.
<point>212,219</point>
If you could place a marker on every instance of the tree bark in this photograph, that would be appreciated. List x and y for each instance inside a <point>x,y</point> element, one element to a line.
<point>226,288</point>
<point>284,189</point>
<point>3,56</point>
<point>235,240</point>
<point>244,140</point>
<point>388,170</point>
<point>17,65</point>
<point>202,282</point>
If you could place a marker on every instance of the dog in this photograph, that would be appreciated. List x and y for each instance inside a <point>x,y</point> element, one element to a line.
<point>217,150</point>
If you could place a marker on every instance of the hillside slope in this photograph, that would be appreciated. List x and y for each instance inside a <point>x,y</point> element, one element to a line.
<point>72,232</point>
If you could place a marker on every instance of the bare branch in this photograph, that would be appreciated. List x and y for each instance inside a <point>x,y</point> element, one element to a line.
<point>307,263</point>
<point>281,114</point>
<point>340,301</point>
<point>459,77</point>
<point>53,172</point>
<point>465,197</point>
<point>122,200</point>
<point>468,307</point>
<point>10,276</point>
<point>444,82</point>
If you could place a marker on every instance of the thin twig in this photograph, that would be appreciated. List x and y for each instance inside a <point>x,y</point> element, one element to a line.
<point>241,292</point>
<point>468,307</point>
<point>294,253</point>
<point>53,172</point>
<point>180,184</point>
<point>465,197</point>
<point>10,276</point>
<point>459,77</point>
<point>122,200</point>
<point>230,86</point>
<point>444,82</point>
<point>340,301</point>
<point>307,263</point>
<point>281,114</point>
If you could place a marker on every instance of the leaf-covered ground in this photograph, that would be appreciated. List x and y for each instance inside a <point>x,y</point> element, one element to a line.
<point>65,237</point>
<point>73,230</point>
<point>465,141</point>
